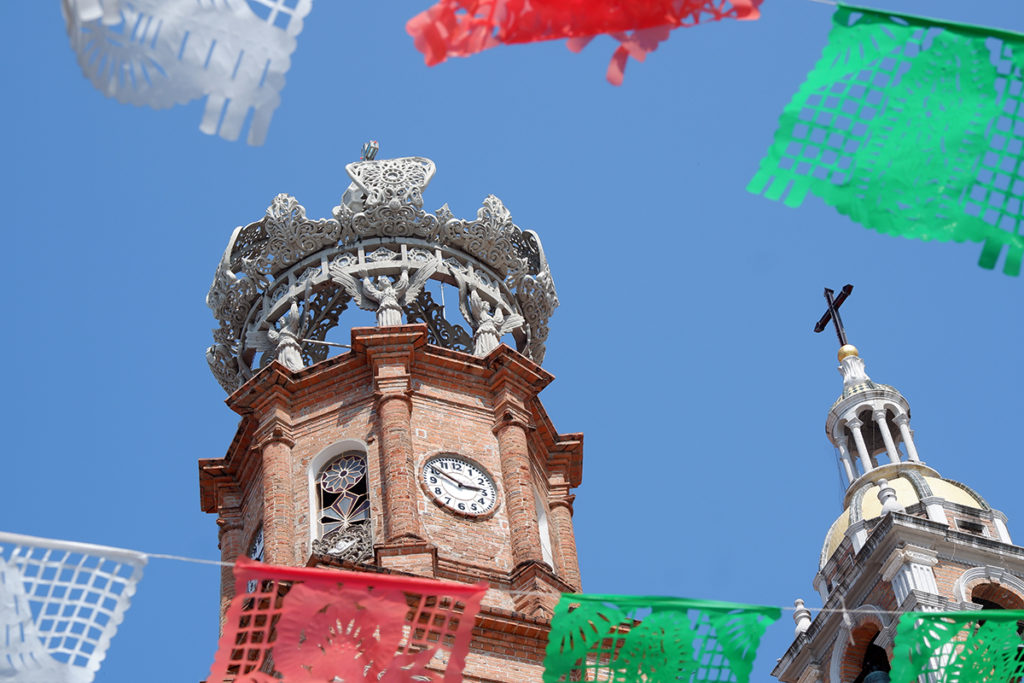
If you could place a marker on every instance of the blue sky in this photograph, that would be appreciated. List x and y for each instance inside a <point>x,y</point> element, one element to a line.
<point>683,346</point>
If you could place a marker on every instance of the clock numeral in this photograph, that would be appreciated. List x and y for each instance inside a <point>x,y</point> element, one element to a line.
<point>482,501</point>
<point>457,466</point>
<point>462,506</point>
<point>447,501</point>
<point>437,490</point>
<point>480,481</point>
<point>433,480</point>
<point>444,465</point>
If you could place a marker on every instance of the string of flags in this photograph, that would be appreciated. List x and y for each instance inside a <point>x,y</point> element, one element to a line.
<point>911,127</point>
<point>908,126</point>
<point>161,53</point>
<point>459,28</point>
<point>61,604</point>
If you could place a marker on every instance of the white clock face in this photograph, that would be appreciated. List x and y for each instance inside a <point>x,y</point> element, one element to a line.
<point>459,485</point>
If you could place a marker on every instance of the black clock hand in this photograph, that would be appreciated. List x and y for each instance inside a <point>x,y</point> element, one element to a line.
<point>463,484</point>
<point>448,477</point>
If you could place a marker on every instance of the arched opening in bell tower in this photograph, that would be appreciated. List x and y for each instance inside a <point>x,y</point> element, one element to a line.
<point>865,661</point>
<point>340,502</point>
<point>992,596</point>
<point>874,439</point>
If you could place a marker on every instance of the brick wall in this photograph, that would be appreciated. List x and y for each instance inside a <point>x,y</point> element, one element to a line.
<point>450,403</point>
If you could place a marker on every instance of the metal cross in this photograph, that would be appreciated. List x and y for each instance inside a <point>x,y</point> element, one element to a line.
<point>833,313</point>
<point>369,151</point>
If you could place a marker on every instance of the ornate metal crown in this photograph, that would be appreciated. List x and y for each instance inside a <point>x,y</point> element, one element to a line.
<point>285,280</point>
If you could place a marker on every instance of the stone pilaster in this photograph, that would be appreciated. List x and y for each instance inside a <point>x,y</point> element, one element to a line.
<point>910,568</point>
<point>568,566</point>
<point>231,543</point>
<point>511,431</point>
<point>279,522</point>
<point>390,352</point>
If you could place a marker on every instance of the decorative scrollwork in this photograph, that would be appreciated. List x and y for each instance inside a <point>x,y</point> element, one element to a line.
<point>379,235</point>
<point>423,309</point>
<point>323,310</point>
<point>353,544</point>
<point>392,181</point>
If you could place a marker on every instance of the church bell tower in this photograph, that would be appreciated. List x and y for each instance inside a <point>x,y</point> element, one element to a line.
<point>422,448</point>
<point>907,538</point>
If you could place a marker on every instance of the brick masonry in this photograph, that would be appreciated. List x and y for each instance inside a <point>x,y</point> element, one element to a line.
<point>404,401</point>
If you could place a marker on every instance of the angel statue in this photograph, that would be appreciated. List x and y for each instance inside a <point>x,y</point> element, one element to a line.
<point>387,297</point>
<point>285,343</point>
<point>488,328</point>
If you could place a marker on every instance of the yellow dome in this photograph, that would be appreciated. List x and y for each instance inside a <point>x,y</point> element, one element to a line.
<point>910,482</point>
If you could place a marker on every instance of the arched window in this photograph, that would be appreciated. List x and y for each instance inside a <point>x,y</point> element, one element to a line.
<point>342,505</point>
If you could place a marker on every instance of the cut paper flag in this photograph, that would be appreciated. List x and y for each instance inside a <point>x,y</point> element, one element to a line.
<point>458,28</point>
<point>943,647</point>
<point>910,127</point>
<point>161,53</point>
<point>627,639</point>
<point>301,624</point>
<point>60,605</point>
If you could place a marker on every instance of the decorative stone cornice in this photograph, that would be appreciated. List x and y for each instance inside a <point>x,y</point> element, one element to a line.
<point>516,373</point>
<point>381,341</point>
<point>276,429</point>
<point>908,554</point>
<point>812,674</point>
<point>563,500</point>
<point>228,523</point>
<point>508,413</point>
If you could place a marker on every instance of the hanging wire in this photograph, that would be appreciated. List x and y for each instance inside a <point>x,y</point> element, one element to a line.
<point>843,610</point>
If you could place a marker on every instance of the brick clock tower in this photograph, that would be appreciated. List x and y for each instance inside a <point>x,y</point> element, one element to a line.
<point>423,449</point>
<point>907,540</point>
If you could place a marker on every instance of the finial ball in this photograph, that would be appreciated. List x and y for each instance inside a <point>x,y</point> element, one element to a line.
<point>847,350</point>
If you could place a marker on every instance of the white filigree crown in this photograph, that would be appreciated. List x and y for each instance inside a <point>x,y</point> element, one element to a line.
<point>285,280</point>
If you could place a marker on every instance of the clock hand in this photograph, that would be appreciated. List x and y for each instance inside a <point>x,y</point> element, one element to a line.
<point>448,477</point>
<point>457,481</point>
<point>463,484</point>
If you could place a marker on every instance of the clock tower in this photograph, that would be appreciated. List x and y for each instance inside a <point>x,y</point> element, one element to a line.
<point>422,448</point>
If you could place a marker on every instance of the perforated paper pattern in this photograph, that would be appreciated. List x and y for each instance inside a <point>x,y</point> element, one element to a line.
<point>299,624</point>
<point>165,52</point>
<point>60,605</point>
<point>961,647</point>
<point>627,639</point>
<point>458,28</point>
<point>910,127</point>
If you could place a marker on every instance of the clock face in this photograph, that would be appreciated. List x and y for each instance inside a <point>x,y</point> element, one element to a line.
<point>460,485</point>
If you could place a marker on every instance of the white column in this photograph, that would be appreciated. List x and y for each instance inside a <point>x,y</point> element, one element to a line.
<point>844,456</point>
<point>904,424</point>
<point>910,568</point>
<point>890,446</point>
<point>858,438</point>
